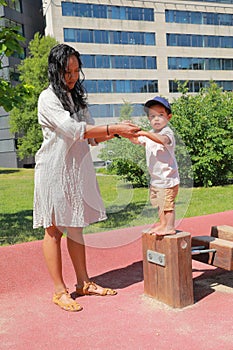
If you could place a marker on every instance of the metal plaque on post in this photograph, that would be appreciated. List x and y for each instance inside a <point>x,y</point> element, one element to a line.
<point>155,257</point>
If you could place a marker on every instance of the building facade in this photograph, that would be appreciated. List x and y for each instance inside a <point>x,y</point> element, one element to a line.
<point>133,50</point>
<point>27,15</point>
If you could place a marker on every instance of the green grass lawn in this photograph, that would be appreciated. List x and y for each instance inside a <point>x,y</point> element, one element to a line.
<point>126,206</point>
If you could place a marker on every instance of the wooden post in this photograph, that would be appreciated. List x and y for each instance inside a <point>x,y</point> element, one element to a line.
<point>171,283</point>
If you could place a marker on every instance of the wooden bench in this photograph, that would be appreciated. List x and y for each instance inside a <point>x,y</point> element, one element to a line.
<point>221,244</point>
<point>223,232</point>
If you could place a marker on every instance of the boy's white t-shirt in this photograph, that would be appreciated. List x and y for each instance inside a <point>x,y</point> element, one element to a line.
<point>161,161</point>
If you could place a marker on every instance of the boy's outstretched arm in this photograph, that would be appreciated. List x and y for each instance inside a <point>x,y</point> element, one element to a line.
<point>162,139</point>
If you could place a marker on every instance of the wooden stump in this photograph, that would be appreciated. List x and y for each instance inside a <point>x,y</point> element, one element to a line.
<point>169,279</point>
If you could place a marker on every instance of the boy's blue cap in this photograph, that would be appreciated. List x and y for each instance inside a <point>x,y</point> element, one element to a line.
<point>156,100</point>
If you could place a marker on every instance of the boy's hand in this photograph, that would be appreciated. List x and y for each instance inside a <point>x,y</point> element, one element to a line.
<point>141,133</point>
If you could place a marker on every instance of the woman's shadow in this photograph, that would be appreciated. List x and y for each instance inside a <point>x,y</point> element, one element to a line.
<point>121,278</point>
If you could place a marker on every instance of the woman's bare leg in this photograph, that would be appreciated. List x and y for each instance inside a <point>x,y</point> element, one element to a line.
<point>53,258</point>
<point>52,254</point>
<point>76,249</point>
<point>77,252</point>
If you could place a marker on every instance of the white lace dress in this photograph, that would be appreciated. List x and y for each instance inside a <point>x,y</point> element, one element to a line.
<point>66,192</point>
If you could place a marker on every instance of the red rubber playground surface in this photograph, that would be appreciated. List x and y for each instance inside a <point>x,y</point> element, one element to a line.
<point>129,320</point>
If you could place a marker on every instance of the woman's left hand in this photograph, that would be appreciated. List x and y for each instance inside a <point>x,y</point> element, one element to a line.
<point>127,129</point>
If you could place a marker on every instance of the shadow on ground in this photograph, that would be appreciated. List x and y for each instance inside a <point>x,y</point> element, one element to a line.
<point>121,278</point>
<point>212,281</point>
<point>8,171</point>
<point>17,228</point>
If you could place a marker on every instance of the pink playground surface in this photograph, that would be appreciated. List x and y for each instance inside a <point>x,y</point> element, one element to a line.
<point>129,320</point>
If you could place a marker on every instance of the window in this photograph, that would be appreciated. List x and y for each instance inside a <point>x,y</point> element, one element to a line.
<point>107,11</point>
<point>99,11</point>
<point>113,110</point>
<point>137,85</point>
<point>100,36</point>
<point>14,4</point>
<point>199,40</point>
<point>88,61</point>
<point>214,64</point>
<point>5,22</point>
<point>123,13</point>
<point>196,85</point>
<point>119,62</point>
<point>196,63</point>
<point>149,39</point>
<point>153,86</point>
<point>108,37</point>
<point>83,10</point>
<point>225,19</point>
<point>172,39</point>
<point>67,9</point>
<point>91,86</point>
<point>125,38</point>
<point>182,17</point>
<point>185,40</point>
<point>102,61</point>
<point>196,41</point>
<point>114,12</point>
<point>103,86</point>
<point>227,64</point>
<point>151,63</point>
<point>172,63</point>
<point>126,62</point>
<point>121,86</point>
<point>69,35</point>
<point>227,42</point>
<point>194,17</point>
<point>149,15</point>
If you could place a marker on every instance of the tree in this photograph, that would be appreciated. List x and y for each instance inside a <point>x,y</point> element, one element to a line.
<point>205,124</point>
<point>23,118</point>
<point>10,43</point>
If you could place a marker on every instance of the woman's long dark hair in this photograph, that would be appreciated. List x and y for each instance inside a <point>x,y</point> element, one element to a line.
<point>57,64</point>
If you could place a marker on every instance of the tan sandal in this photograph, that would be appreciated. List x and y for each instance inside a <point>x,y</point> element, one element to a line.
<point>85,290</point>
<point>71,306</point>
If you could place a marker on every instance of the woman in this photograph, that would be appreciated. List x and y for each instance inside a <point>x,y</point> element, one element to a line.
<point>66,195</point>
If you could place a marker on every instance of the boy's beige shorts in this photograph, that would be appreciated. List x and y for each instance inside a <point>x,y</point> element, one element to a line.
<point>164,198</point>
